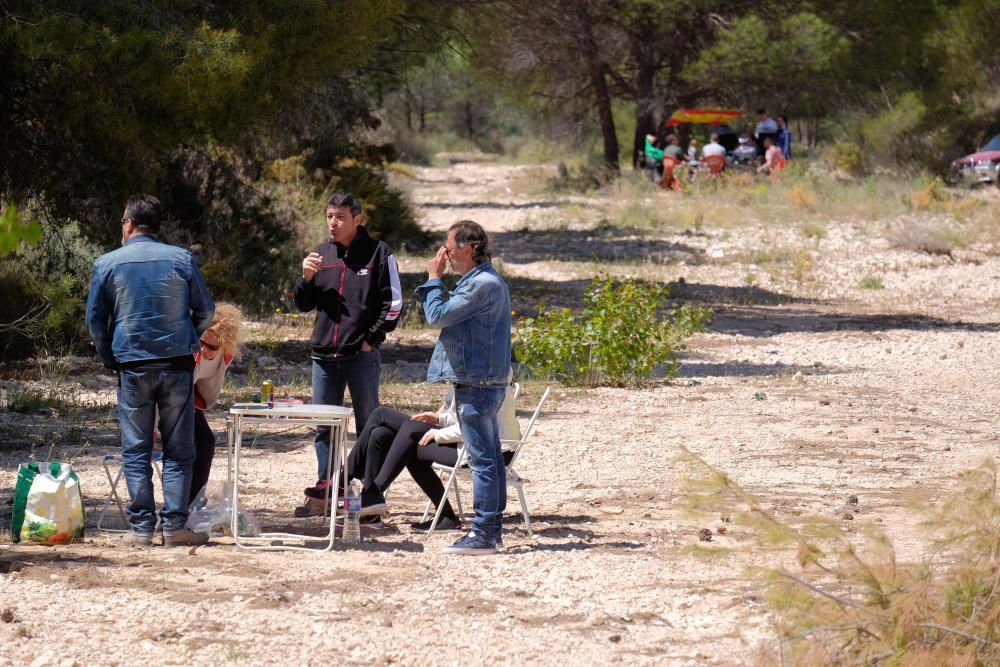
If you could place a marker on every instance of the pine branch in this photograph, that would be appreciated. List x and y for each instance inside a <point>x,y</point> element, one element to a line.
<point>842,602</point>
<point>960,633</point>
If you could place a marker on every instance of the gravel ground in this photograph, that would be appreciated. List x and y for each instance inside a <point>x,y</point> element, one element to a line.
<point>878,393</point>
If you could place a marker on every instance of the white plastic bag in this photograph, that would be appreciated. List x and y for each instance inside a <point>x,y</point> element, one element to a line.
<point>48,505</point>
<point>211,511</point>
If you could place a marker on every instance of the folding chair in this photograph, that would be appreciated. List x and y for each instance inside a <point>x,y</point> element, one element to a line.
<point>512,448</point>
<point>715,163</point>
<point>670,181</point>
<point>157,461</point>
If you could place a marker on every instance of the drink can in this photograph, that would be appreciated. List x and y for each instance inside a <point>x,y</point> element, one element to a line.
<point>267,392</point>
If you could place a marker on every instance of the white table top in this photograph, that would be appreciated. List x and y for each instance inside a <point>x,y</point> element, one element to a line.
<point>301,411</point>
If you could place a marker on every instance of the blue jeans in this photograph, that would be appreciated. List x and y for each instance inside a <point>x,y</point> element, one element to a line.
<point>140,395</point>
<point>360,375</point>
<point>477,418</point>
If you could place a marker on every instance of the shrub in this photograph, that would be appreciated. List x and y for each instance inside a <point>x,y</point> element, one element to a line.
<point>45,286</point>
<point>801,196</point>
<point>928,237</point>
<point>871,282</point>
<point>847,157</point>
<point>853,603</point>
<point>387,215</point>
<point>618,339</point>
<point>926,197</point>
<point>812,230</point>
<point>238,232</point>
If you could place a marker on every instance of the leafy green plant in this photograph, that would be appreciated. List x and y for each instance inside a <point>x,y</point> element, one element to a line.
<point>618,338</point>
<point>14,229</point>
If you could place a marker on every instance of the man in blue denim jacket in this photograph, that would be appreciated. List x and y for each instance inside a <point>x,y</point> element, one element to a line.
<point>146,310</point>
<point>473,353</point>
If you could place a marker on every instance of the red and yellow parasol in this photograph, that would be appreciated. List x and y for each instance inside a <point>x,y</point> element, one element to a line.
<point>703,116</point>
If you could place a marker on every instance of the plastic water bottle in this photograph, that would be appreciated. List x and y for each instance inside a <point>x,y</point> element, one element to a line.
<point>352,525</point>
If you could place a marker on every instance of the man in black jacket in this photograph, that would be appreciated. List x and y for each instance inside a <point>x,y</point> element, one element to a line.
<point>353,283</point>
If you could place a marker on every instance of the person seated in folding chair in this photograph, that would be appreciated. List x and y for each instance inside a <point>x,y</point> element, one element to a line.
<point>391,441</point>
<point>220,344</point>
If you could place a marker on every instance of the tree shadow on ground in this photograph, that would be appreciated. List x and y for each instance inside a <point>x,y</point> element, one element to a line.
<point>575,546</point>
<point>735,369</point>
<point>725,294</point>
<point>756,312</point>
<point>604,244</point>
<point>758,322</point>
<point>18,558</point>
<point>492,205</point>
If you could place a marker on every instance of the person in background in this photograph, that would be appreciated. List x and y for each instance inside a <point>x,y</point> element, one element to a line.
<point>673,148</point>
<point>220,344</point>
<point>352,282</point>
<point>713,147</point>
<point>746,152</point>
<point>784,138</point>
<point>772,157</point>
<point>146,309</point>
<point>766,127</point>
<point>692,152</point>
<point>653,159</point>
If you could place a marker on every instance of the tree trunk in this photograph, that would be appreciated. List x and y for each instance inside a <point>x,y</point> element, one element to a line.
<point>645,123</point>
<point>598,80</point>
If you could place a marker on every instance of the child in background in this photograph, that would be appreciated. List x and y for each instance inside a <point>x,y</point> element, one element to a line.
<point>220,344</point>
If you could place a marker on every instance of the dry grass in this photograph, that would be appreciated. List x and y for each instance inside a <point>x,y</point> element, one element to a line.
<point>800,197</point>
<point>930,237</point>
<point>850,602</point>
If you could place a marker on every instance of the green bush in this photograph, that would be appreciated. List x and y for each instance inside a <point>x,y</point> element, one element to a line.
<point>617,340</point>
<point>847,157</point>
<point>387,215</point>
<point>45,288</point>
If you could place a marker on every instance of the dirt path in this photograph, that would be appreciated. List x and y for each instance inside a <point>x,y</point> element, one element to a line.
<point>875,393</point>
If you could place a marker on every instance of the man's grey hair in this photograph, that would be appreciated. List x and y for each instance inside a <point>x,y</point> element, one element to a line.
<point>469,233</point>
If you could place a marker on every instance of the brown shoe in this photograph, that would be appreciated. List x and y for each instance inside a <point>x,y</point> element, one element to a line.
<point>312,507</point>
<point>184,538</point>
<point>137,539</point>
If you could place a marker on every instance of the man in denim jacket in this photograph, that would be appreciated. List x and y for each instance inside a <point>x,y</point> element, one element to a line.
<point>473,353</point>
<point>146,310</point>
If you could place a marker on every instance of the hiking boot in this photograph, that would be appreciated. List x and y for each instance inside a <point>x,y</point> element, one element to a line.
<point>472,544</point>
<point>184,538</point>
<point>321,491</point>
<point>137,539</point>
<point>312,507</point>
<point>446,524</point>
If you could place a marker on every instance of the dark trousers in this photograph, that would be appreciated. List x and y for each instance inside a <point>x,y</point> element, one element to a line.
<point>360,376</point>
<point>204,452</point>
<point>389,443</point>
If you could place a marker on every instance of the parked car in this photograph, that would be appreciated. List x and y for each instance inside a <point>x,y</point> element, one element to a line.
<point>980,167</point>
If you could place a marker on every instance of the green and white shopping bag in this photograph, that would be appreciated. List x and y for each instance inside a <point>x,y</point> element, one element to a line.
<point>48,504</point>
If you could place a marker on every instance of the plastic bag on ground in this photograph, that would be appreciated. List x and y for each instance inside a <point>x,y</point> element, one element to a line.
<point>211,512</point>
<point>48,505</point>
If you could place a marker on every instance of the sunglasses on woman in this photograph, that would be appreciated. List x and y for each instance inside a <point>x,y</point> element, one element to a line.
<point>209,346</point>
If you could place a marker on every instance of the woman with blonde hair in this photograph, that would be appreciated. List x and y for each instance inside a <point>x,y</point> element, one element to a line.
<point>220,344</point>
